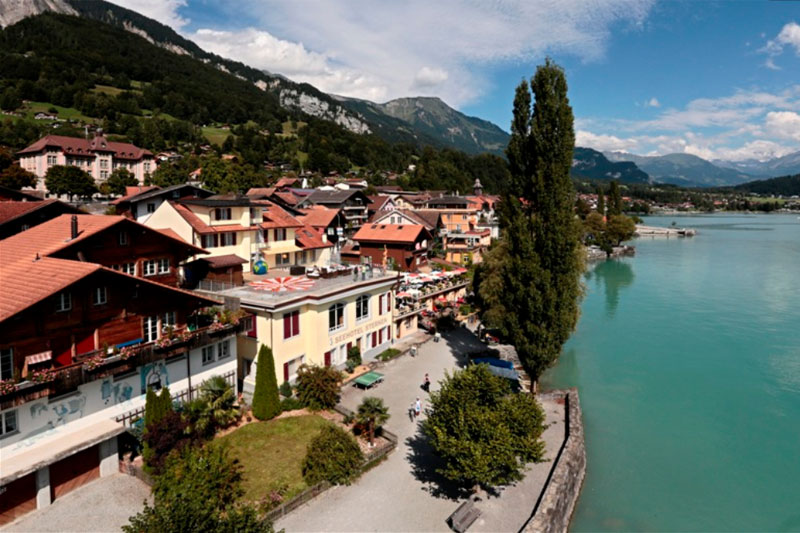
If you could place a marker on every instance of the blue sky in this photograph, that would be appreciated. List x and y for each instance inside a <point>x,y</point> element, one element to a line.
<point>716,79</point>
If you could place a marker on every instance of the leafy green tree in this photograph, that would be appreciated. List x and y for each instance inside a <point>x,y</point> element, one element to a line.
<point>214,408</point>
<point>620,228</point>
<point>372,413</point>
<point>266,403</point>
<point>332,456</point>
<point>119,179</point>
<point>318,386</point>
<point>537,271</point>
<point>198,491</point>
<point>601,200</point>
<point>69,180</point>
<point>15,177</point>
<point>484,433</point>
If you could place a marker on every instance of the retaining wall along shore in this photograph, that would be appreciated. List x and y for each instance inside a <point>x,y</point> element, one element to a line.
<point>558,499</point>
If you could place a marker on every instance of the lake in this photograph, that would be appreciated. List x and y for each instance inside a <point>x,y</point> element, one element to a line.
<point>687,360</point>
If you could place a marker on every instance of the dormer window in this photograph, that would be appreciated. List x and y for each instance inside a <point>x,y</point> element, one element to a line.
<point>222,213</point>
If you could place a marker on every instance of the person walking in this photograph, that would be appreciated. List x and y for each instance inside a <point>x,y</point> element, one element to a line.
<point>426,385</point>
<point>417,408</point>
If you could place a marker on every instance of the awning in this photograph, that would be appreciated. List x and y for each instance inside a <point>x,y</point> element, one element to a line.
<point>40,357</point>
<point>499,368</point>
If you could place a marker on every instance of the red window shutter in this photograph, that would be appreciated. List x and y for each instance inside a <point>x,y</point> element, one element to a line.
<point>276,234</point>
<point>287,325</point>
<point>285,371</point>
<point>253,333</point>
<point>374,339</point>
<point>327,358</point>
<point>380,304</point>
<point>388,302</point>
<point>349,345</point>
<point>296,323</point>
<point>234,238</point>
<point>380,336</point>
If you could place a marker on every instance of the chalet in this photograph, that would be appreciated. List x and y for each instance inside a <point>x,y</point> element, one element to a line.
<point>352,203</point>
<point>80,345</point>
<point>141,202</point>
<point>20,216</point>
<point>379,203</point>
<point>405,245</point>
<point>430,218</point>
<point>13,195</point>
<point>111,241</point>
<point>326,220</point>
<point>98,156</point>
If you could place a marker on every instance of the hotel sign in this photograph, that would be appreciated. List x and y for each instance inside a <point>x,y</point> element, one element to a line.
<point>362,329</point>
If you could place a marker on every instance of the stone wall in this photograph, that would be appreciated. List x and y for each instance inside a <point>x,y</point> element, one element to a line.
<point>557,502</point>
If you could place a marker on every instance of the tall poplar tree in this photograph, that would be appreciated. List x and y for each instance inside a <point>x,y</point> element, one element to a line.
<point>539,286</point>
<point>601,200</point>
<point>614,199</point>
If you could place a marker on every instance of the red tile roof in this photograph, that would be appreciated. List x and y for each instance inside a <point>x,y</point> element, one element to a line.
<point>308,239</point>
<point>85,147</point>
<point>277,217</point>
<point>260,191</point>
<point>318,216</point>
<point>201,227</point>
<point>288,197</point>
<point>286,182</point>
<point>377,202</point>
<point>11,210</point>
<point>403,233</point>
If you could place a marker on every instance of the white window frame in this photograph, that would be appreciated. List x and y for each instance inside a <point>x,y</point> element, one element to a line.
<point>6,363</point>
<point>295,364</point>
<point>100,296</point>
<point>163,265</point>
<point>11,414</point>
<point>225,211</point>
<point>339,310</point>
<point>228,238</point>
<point>223,350</point>
<point>63,302</point>
<point>150,328</point>
<point>283,259</point>
<point>123,238</point>
<point>210,241</point>
<point>168,320</point>
<point>363,304</point>
<point>151,267</point>
<point>207,354</point>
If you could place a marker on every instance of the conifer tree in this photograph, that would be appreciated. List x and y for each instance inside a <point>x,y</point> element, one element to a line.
<point>266,402</point>
<point>614,199</point>
<point>539,277</point>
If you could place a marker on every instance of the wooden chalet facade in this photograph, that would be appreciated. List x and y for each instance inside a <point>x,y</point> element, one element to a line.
<point>16,217</point>
<point>406,245</point>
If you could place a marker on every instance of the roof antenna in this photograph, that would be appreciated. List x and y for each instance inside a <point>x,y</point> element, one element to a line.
<point>37,257</point>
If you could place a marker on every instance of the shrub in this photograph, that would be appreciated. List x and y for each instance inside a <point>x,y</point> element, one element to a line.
<point>171,433</point>
<point>286,389</point>
<point>318,386</point>
<point>389,353</point>
<point>214,408</point>
<point>351,365</point>
<point>446,323</point>
<point>354,353</point>
<point>333,456</point>
<point>291,404</point>
<point>372,413</point>
<point>266,403</point>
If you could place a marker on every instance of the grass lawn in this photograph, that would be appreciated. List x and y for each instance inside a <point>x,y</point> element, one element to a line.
<point>68,113</point>
<point>272,453</point>
<point>215,135</point>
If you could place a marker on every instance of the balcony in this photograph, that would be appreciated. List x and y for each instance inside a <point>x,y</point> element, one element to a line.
<point>405,311</point>
<point>98,364</point>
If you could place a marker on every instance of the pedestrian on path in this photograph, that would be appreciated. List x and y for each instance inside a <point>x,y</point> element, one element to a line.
<point>417,408</point>
<point>426,384</point>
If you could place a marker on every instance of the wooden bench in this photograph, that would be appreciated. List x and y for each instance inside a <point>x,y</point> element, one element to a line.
<point>463,517</point>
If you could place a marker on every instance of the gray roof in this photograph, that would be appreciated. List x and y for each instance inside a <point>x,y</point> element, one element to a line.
<point>335,197</point>
<point>168,190</point>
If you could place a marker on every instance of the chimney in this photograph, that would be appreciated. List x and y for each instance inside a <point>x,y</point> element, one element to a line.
<point>74,227</point>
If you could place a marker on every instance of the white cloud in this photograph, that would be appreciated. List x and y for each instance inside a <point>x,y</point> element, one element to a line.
<point>653,102</point>
<point>383,50</point>
<point>789,36</point>
<point>770,64</point>
<point>783,124</point>
<point>164,11</point>
<point>605,143</point>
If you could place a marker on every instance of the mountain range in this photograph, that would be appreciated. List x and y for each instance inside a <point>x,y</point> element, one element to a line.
<point>425,120</point>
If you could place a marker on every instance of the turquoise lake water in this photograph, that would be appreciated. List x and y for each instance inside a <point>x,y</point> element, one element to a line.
<point>687,360</point>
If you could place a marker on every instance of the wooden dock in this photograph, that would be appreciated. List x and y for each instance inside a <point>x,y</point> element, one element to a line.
<point>655,231</point>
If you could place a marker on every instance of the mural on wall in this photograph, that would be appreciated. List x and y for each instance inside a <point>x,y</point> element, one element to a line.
<point>57,415</point>
<point>155,376</point>
<point>119,392</point>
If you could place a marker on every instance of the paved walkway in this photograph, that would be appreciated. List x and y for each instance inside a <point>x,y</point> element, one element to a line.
<point>403,493</point>
<point>102,505</point>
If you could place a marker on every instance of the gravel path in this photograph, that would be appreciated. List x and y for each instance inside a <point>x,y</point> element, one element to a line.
<point>402,493</point>
<point>102,505</point>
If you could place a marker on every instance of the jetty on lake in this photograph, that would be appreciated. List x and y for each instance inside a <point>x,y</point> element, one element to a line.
<point>655,231</point>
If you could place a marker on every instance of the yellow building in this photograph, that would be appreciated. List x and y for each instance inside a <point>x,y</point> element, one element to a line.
<point>251,230</point>
<point>315,321</point>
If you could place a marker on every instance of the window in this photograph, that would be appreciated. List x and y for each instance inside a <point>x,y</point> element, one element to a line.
<point>63,302</point>
<point>168,320</point>
<point>24,227</point>
<point>163,266</point>
<point>123,238</point>
<point>99,296</point>
<point>150,328</point>
<point>8,423</point>
<point>51,160</point>
<point>147,167</point>
<point>291,324</point>
<point>290,368</point>
<point>222,213</point>
<point>104,174</point>
<point>362,307</point>
<point>336,317</point>
<point>227,239</point>
<point>151,267</point>
<point>280,234</point>
<point>151,208</point>
<point>128,268</point>
<point>6,363</point>
<point>210,241</point>
<point>208,354</point>
<point>104,163</point>
<point>388,302</point>
<point>223,350</point>
<point>282,259</point>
